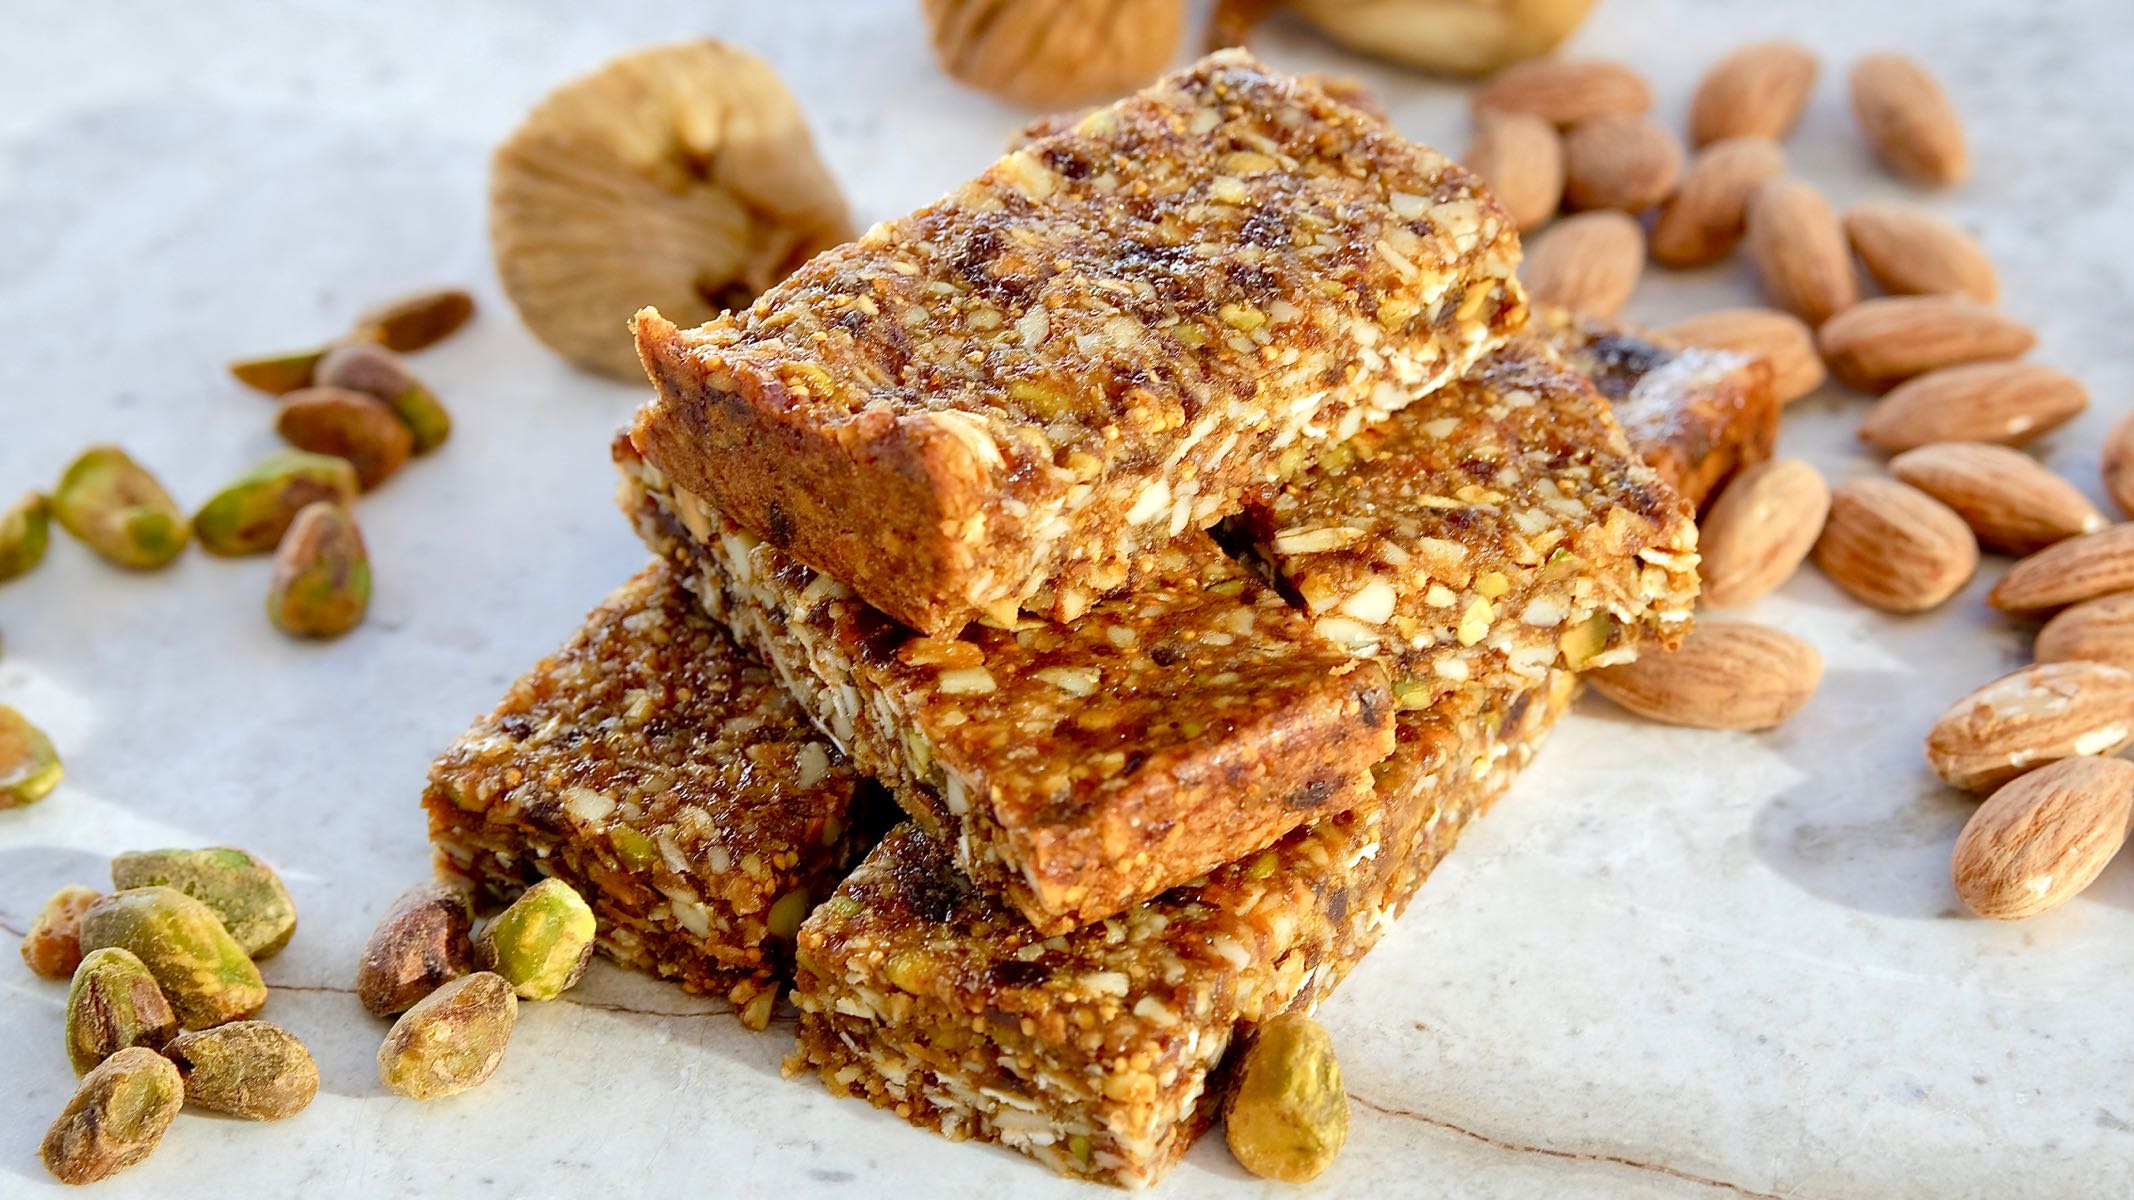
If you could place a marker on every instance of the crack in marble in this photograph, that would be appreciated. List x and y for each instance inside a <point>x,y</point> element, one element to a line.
<point>1570,1155</point>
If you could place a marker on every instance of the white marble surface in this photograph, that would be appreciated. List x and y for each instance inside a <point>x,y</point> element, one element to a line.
<point>1673,964</point>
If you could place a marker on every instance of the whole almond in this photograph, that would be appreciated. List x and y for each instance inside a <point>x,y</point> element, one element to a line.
<point>2041,839</point>
<point>1799,250</point>
<point>1912,252</point>
<point>1705,218</point>
<point>2021,721</point>
<point>2119,464</point>
<point>2100,630</point>
<point>2007,402</point>
<point>1908,119</point>
<point>1877,344</point>
<point>1780,339</point>
<point>2069,572</point>
<point>1895,547</point>
<point>2007,497</point>
<point>1760,529</point>
<point>1565,91</point>
<point>1725,675</point>
<point>1624,163</point>
<point>1589,263</point>
<point>1520,157</point>
<point>1755,91</point>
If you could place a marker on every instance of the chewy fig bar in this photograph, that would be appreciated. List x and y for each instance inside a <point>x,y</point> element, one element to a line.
<point>663,774</point>
<point>1073,769</point>
<point>1011,397</point>
<point>1099,1052</point>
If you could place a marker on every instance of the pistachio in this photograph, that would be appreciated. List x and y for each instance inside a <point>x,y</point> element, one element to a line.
<point>451,1040</point>
<point>53,946</point>
<point>421,945</point>
<point>29,766</point>
<point>253,512</point>
<point>279,374</point>
<point>247,1069</point>
<point>321,584</point>
<point>1287,1116</point>
<point>418,321</point>
<point>114,1003</point>
<point>245,892</point>
<point>379,372</point>
<point>116,508</point>
<point>541,943</point>
<point>25,531</point>
<point>347,424</point>
<point>204,973</point>
<point>115,1118</point>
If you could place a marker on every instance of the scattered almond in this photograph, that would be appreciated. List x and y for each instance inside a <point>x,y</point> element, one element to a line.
<point>2100,630</point>
<point>2119,464</point>
<point>1879,343</point>
<point>2069,572</point>
<point>1726,675</point>
<point>1908,119</point>
<point>1706,216</point>
<point>1912,252</point>
<point>2010,403</point>
<point>1780,339</point>
<point>1799,250</point>
<point>2007,497</point>
<point>1895,547</point>
<point>1565,91</point>
<point>1755,91</point>
<point>1589,263</point>
<point>2043,838</point>
<point>2021,721</point>
<point>1759,530</point>
<point>1625,163</point>
<point>1520,157</point>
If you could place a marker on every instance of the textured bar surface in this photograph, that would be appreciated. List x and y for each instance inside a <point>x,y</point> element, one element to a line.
<point>663,774</point>
<point>1012,395</point>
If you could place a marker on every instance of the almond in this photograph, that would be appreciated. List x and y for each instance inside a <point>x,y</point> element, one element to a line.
<point>1760,529</point>
<point>1625,163</point>
<point>1799,250</point>
<point>1588,263</point>
<point>2009,403</point>
<point>1565,91</point>
<point>2040,714</point>
<point>1520,157</point>
<point>1912,252</point>
<point>2069,572</point>
<point>2100,630</point>
<point>1755,91</point>
<point>1908,119</point>
<point>1780,339</point>
<point>2007,497</point>
<point>1879,343</point>
<point>1895,547</point>
<point>1725,675</point>
<point>1705,218</point>
<point>2043,838</point>
<point>2119,464</point>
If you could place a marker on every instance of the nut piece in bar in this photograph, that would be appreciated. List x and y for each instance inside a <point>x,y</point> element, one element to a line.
<point>1009,397</point>
<point>661,773</point>
<point>1098,1052</point>
<point>1075,769</point>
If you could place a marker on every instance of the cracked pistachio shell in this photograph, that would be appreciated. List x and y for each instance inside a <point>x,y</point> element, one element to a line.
<point>246,893</point>
<point>29,766</point>
<point>207,977</point>
<point>255,510</point>
<point>321,582</point>
<point>114,1003</point>
<point>1287,1116</point>
<point>422,944</point>
<point>362,367</point>
<point>25,531</point>
<point>53,946</point>
<point>116,508</point>
<point>116,1117</point>
<point>541,943</point>
<point>451,1040</point>
<point>248,1069</point>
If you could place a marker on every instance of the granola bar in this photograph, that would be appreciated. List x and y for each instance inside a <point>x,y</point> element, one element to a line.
<point>1073,769</point>
<point>664,775</point>
<point>1012,396</point>
<point>1487,534</point>
<point>1099,1052</point>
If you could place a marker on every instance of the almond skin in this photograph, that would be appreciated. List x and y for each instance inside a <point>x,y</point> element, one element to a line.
<point>2041,839</point>
<point>1908,120</point>
<point>1589,263</point>
<point>2069,572</point>
<point>1799,250</point>
<point>2021,721</point>
<point>2007,497</point>
<point>2010,403</point>
<point>1565,91</point>
<point>2100,630</point>
<point>2119,464</point>
<point>1780,339</point>
<point>1877,344</point>
<point>1759,530</point>
<point>1624,163</point>
<point>1757,90</point>
<point>1520,157</point>
<point>1725,675</point>
<point>1705,218</point>
<point>1912,252</point>
<point>1895,547</point>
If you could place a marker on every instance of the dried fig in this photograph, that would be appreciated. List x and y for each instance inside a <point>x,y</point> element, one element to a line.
<point>1049,53</point>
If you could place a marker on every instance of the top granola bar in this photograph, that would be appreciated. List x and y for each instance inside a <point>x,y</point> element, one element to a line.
<point>1008,397</point>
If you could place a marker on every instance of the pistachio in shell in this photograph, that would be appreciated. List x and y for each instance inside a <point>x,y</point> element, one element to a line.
<point>416,322</point>
<point>254,904</point>
<point>207,977</point>
<point>114,1002</point>
<point>255,510</point>
<point>347,424</point>
<point>541,943</point>
<point>25,531</point>
<point>112,505</point>
<point>451,1040</point>
<point>29,766</point>
<point>248,1069</point>
<point>53,946</point>
<point>321,582</point>
<point>377,371</point>
<point>116,1118</point>
<point>1287,1116</point>
<point>422,944</point>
